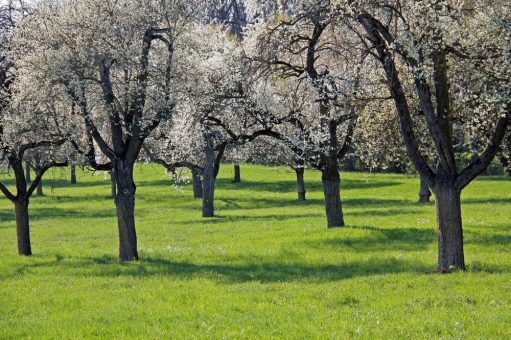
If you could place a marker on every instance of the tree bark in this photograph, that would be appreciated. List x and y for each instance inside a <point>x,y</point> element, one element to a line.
<point>196,183</point>
<point>208,209</point>
<point>113,189</point>
<point>237,173</point>
<point>73,173</point>
<point>125,204</point>
<point>27,173</point>
<point>39,191</point>
<point>333,206</point>
<point>424,192</point>
<point>22,226</point>
<point>300,183</point>
<point>450,231</point>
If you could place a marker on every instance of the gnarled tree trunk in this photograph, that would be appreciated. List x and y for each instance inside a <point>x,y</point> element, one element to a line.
<point>22,226</point>
<point>424,192</point>
<point>125,204</point>
<point>73,173</point>
<point>208,209</point>
<point>450,231</point>
<point>196,183</point>
<point>333,206</point>
<point>237,173</point>
<point>300,184</point>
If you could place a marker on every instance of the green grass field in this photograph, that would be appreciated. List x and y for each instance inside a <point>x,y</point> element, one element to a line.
<point>266,267</point>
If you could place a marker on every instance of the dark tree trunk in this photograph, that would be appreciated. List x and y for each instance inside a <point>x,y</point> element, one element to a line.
<point>22,226</point>
<point>73,173</point>
<point>332,180</point>
<point>27,173</point>
<point>450,231</point>
<point>300,183</point>
<point>424,192</point>
<point>196,183</point>
<point>113,189</point>
<point>333,206</point>
<point>125,203</point>
<point>208,209</point>
<point>39,191</point>
<point>237,174</point>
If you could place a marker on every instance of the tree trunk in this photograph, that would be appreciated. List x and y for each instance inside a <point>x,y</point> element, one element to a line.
<point>208,209</point>
<point>237,174</point>
<point>39,191</point>
<point>22,226</point>
<point>300,183</point>
<point>113,189</point>
<point>450,231</point>
<point>424,192</point>
<point>73,173</point>
<point>125,203</point>
<point>333,206</point>
<point>27,173</point>
<point>196,183</point>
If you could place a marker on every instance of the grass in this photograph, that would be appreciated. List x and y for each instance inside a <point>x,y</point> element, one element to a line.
<point>266,267</point>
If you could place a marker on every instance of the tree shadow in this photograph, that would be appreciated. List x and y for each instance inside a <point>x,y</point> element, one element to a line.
<point>498,200</point>
<point>487,240</point>
<point>218,219</point>
<point>499,178</point>
<point>379,240</point>
<point>254,271</point>
<point>290,186</point>
<point>53,183</point>
<point>263,203</point>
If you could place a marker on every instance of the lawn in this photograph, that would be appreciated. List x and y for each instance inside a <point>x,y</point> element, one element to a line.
<point>266,267</point>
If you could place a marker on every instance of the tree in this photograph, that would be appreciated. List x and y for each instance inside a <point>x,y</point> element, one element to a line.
<point>215,111</point>
<point>315,65</point>
<point>23,130</point>
<point>461,82</point>
<point>116,65</point>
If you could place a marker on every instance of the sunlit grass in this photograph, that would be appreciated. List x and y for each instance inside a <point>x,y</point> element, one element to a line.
<point>266,267</point>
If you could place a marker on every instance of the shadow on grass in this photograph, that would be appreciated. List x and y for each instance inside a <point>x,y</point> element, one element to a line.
<point>265,272</point>
<point>290,186</point>
<point>498,200</point>
<point>488,240</point>
<point>219,218</point>
<point>40,213</point>
<point>498,178</point>
<point>51,183</point>
<point>263,203</point>
<point>379,239</point>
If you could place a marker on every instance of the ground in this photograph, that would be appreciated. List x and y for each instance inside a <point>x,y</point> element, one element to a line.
<point>266,267</point>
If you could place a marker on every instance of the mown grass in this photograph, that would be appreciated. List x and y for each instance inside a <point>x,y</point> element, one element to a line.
<point>266,267</point>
